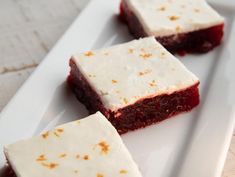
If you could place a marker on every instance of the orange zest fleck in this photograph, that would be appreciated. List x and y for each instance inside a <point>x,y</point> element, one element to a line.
<point>196,10</point>
<point>130,50</point>
<point>62,155</point>
<point>45,135</point>
<point>103,93</point>
<point>177,28</point>
<point>162,8</point>
<point>78,156</point>
<point>162,55</point>
<point>146,55</point>
<point>60,130</point>
<point>41,158</point>
<point>91,75</point>
<point>104,147</point>
<point>75,171</point>
<point>123,171</point>
<point>99,175</point>
<point>50,165</point>
<point>89,53</point>
<point>114,81</point>
<point>86,157</point>
<point>56,134</point>
<point>141,73</point>
<point>173,18</point>
<point>125,100</point>
<point>153,83</point>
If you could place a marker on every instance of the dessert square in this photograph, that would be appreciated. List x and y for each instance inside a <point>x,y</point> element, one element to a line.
<point>133,84</point>
<point>90,147</point>
<point>181,26</point>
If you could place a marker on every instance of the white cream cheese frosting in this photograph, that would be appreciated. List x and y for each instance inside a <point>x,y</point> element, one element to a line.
<point>90,147</point>
<point>167,17</point>
<point>126,73</point>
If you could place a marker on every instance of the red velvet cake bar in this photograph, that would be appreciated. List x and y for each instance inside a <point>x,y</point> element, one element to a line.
<point>90,147</point>
<point>179,25</point>
<point>133,84</point>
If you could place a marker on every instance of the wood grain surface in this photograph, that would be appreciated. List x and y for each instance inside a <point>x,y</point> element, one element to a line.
<point>28,30</point>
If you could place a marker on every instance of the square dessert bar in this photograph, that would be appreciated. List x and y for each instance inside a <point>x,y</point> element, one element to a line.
<point>179,25</point>
<point>133,84</point>
<point>90,147</point>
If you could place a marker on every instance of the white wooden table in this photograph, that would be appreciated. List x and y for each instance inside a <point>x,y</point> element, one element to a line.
<point>28,30</point>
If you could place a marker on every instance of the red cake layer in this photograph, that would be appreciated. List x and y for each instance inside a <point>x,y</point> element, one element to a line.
<point>144,112</point>
<point>200,41</point>
<point>8,171</point>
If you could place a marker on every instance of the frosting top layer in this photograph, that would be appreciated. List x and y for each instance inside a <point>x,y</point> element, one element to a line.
<point>90,147</point>
<point>126,73</point>
<point>167,17</point>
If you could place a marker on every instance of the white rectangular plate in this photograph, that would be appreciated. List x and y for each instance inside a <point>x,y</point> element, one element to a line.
<point>189,145</point>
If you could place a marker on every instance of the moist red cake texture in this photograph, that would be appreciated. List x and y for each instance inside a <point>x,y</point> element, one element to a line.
<point>200,41</point>
<point>8,171</point>
<point>138,115</point>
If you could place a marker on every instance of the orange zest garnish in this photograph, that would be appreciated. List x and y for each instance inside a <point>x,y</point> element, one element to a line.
<point>146,55</point>
<point>104,147</point>
<point>41,158</point>
<point>50,165</point>
<point>114,81</point>
<point>89,53</point>
<point>45,135</point>
<point>86,157</point>
<point>123,171</point>
<point>173,18</point>
<point>62,155</point>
